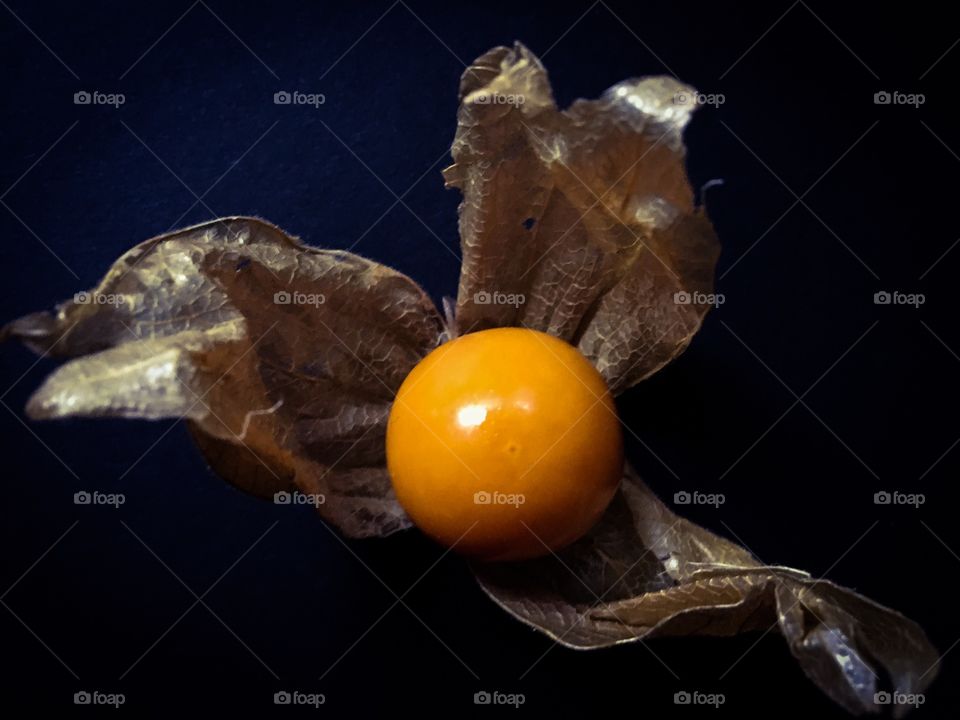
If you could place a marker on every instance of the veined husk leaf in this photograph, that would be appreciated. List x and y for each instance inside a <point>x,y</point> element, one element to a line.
<point>284,358</point>
<point>644,572</point>
<point>580,223</point>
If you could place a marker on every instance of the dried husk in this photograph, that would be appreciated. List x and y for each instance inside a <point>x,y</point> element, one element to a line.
<point>588,216</point>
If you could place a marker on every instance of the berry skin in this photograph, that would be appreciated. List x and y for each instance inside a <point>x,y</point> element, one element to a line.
<point>504,444</point>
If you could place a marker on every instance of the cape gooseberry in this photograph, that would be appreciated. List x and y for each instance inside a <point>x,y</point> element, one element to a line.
<point>504,444</point>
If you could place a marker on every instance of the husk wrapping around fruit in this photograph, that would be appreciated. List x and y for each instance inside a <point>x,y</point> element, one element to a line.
<point>284,359</point>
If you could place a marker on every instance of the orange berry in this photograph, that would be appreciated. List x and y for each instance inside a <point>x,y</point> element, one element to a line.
<point>504,444</point>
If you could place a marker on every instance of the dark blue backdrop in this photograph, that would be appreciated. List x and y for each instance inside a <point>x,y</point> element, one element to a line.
<point>199,136</point>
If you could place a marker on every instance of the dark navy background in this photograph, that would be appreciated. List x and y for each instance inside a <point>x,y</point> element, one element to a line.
<point>81,184</point>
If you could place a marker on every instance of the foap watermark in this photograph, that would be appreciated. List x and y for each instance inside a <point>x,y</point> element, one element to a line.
<point>698,298</point>
<point>895,497</point>
<point>298,298</point>
<point>884,97</point>
<point>295,697</point>
<point>685,497</point>
<point>482,497</point>
<point>496,697</point>
<point>486,297</point>
<point>495,98</point>
<point>96,697</point>
<point>686,697</point>
<point>98,298</point>
<point>314,100</point>
<point>692,97</point>
<point>884,297</point>
<point>114,500</point>
<point>115,100</point>
<point>899,698</point>
<point>298,498</point>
